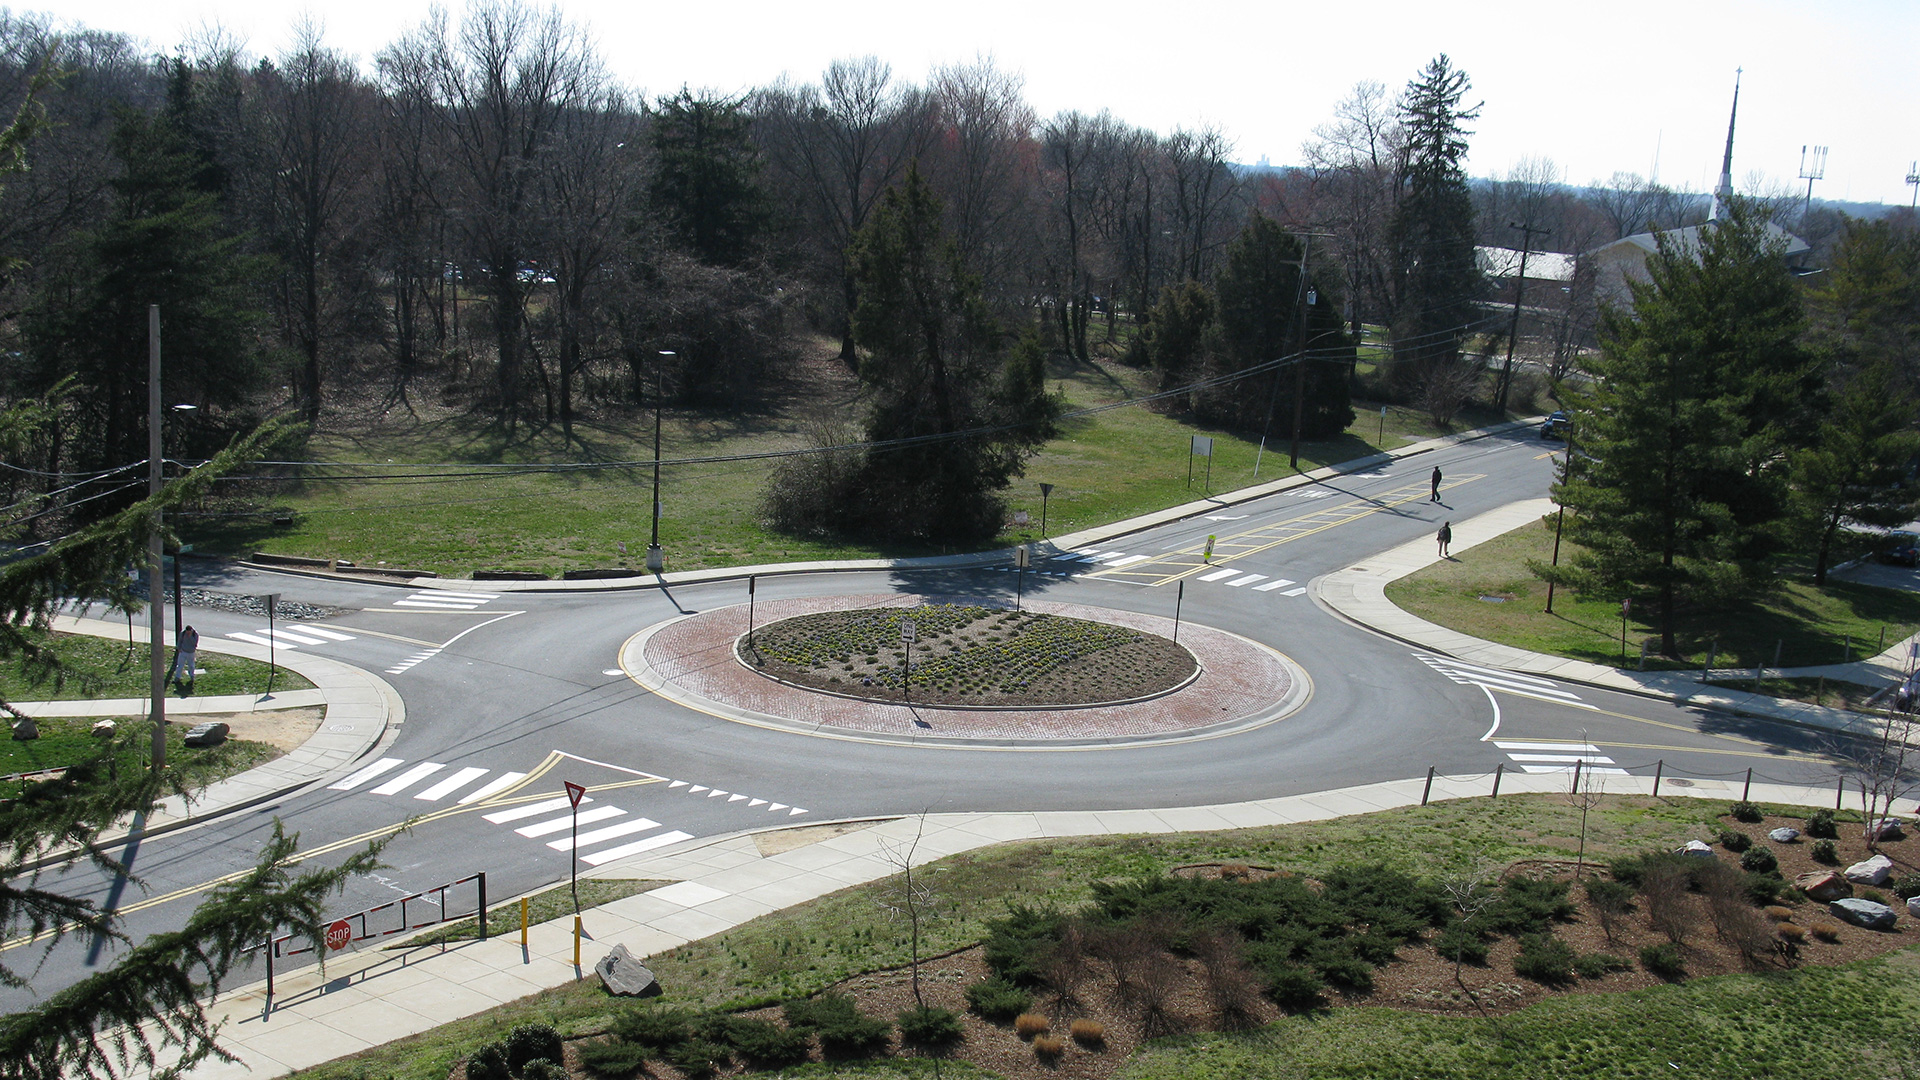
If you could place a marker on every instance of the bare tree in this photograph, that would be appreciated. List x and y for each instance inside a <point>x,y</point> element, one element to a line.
<point>409,214</point>
<point>981,165</point>
<point>1353,160</point>
<point>910,896</point>
<point>1878,765</point>
<point>1203,188</point>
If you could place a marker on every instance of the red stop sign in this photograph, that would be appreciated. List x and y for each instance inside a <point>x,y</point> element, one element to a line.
<point>338,935</point>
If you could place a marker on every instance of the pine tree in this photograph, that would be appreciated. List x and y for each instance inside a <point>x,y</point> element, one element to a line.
<point>1678,487</point>
<point>1856,470</point>
<point>706,180</point>
<point>1436,280</point>
<point>1262,305</point>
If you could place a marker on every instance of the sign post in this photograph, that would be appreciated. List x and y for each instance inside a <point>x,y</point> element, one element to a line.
<point>1626,607</point>
<point>1179,597</point>
<point>1022,558</point>
<point>908,632</point>
<point>574,794</point>
<point>1045,490</point>
<point>750,580</point>
<point>1200,446</point>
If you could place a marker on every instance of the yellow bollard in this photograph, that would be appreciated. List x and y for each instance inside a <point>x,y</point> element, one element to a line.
<point>576,941</point>
<point>523,922</point>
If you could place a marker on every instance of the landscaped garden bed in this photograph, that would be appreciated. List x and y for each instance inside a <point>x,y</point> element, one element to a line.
<point>967,654</point>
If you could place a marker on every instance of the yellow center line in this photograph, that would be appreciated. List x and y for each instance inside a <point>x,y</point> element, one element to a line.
<point>503,798</point>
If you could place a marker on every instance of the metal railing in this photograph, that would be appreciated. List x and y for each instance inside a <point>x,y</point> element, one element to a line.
<point>363,925</point>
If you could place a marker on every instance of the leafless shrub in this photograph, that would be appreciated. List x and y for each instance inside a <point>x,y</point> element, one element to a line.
<point>1159,978</point>
<point>1670,910</point>
<point>1735,920</point>
<point>1065,968</point>
<point>1124,948</point>
<point>1230,982</point>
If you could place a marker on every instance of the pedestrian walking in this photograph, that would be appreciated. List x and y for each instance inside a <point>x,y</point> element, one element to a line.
<point>1445,537</point>
<point>1435,497</point>
<point>184,648</point>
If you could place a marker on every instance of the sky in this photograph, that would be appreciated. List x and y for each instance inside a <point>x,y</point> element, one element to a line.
<point>1626,86</point>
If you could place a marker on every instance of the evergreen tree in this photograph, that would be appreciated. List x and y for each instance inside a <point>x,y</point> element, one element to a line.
<point>1264,316</point>
<point>1856,470</point>
<point>1175,337</point>
<point>1677,490</point>
<point>1436,280</point>
<point>933,366</point>
<point>706,180</point>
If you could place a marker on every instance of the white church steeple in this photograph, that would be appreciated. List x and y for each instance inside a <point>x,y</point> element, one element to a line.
<point>1723,192</point>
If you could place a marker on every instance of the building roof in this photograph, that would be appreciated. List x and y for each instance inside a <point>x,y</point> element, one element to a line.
<point>1500,262</point>
<point>1686,239</point>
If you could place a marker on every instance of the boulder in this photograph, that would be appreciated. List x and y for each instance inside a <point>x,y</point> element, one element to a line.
<point>1874,871</point>
<point>1784,835</point>
<point>24,728</point>
<point>211,733</point>
<point>1696,847</point>
<point>1913,906</point>
<point>1823,885</point>
<point>105,729</point>
<point>1864,913</point>
<point>1886,829</point>
<point>624,975</point>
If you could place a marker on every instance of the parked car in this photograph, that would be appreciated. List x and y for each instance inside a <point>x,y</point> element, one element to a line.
<point>1555,425</point>
<point>1903,549</point>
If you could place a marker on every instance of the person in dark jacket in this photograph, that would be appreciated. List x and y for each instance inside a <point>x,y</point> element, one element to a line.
<point>1445,537</point>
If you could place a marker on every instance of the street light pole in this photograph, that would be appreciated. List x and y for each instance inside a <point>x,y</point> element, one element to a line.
<point>156,588</point>
<point>657,559</point>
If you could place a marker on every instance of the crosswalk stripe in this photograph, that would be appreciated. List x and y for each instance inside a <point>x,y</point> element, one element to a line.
<point>256,639</point>
<point>451,784</point>
<point>1248,580</point>
<point>365,774</point>
<point>330,635</point>
<point>567,821</point>
<point>501,817</point>
<point>1218,574</point>
<point>1129,560</point>
<point>441,594</point>
<point>1493,673</point>
<point>651,842</point>
<point>1519,687</point>
<point>1563,747</point>
<point>410,777</point>
<point>1602,770</point>
<point>298,638</point>
<point>1272,585</point>
<point>410,602</point>
<point>625,828</point>
<point>1295,592</point>
<point>1591,759</point>
<point>498,783</point>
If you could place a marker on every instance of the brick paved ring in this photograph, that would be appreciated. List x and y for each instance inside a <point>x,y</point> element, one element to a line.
<point>1242,684</point>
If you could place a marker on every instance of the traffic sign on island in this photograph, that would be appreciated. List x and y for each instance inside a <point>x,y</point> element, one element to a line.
<point>338,935</point>
<point>575,793</point>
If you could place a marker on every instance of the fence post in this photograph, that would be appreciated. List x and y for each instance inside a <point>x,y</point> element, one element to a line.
<point>1658,768</point>
<point>1747,788</point>
<point>1839,793</point>
<point>269,969</point>
<point>1497,770</point>
<point>523,922</point>
<point>483,905</point>
<point>1429,788</point>
<point>576,941</point>
<point>1576,776</point>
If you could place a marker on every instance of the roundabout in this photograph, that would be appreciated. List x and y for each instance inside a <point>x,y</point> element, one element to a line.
<point>1119,679</point>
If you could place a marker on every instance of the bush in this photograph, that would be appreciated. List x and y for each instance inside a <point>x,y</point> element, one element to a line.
<point>1825,931</point>
<point>1874,895</point>
<point>612,1059</point>
<point>1745,811</point>
<point>1598,965</point>
<point>1778,913</point>
<point>1764,888</point>
<point>488,1062</point>
<point>1049,1046</point>
<point>1735,841</point>
<point>1663,960</point>
<point>930,1026</point>
<point>653,1029</point>
<point>1027,1025</point>
<point>1544,959</point>
<point>1614,897</point>
<point>1018,945</point>
<point>543,1069</point>
<point>1790,932</point>
<point>1760,860</point>
<point>765,1044</point>
<point>532,1042</point>
<point>1527,906</point>
<point>1293,987</point>
<point>843,1030</point>
<point>1820,825</point>
<point>1461,944</point>
<point>1089,1032</point>
<point>1825,853</point>
<point>998,1000</point>
<point>1907,886</point>
<point>697,1058</point>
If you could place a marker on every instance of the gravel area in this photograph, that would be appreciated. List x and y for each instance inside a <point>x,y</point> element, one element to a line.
<point>247,604</point>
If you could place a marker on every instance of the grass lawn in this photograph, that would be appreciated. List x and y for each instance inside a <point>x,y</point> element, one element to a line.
<point>801,950</point>
<point>108,668</point>
<point>66,740</point>
<point>1105,467</point>
<point>1488,592</point>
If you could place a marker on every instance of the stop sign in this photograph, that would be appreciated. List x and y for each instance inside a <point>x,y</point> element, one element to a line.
<point>338,934</point>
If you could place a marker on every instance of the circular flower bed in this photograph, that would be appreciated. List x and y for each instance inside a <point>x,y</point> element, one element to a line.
<point>967,654</point>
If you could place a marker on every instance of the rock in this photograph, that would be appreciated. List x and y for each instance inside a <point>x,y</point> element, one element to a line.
<point>104,729</point>
<point>211,733</point>
<point>624,975</point>
<point>1784,835</point>
<point>1887,829</point>
<point>1864,913</point>
<point>1823,885</point>
<point>1874,871</point>
<point>24,729</point>
<point>1913,906</point>
<point>1696,847</point>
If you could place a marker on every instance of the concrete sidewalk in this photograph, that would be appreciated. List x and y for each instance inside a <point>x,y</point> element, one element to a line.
<point>1359,593</point>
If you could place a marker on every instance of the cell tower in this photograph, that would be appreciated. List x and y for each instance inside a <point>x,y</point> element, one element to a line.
<point>1812,167</point>
<point>1913,181</point>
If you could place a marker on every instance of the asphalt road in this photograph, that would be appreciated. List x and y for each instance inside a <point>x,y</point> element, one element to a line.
<point>528,683</point>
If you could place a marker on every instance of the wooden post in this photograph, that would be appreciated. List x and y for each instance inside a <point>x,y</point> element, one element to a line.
<point>1497,770</point>
<point>1576,776</point>
<point>1748,787</point>
<point>1429,788</point>
<point>483,905</point>
<point>1658,768</point>
<point>1839,793</point>
<point>576,941</point>
<point>523,922</point>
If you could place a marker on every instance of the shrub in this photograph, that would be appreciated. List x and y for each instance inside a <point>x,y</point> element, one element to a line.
<point>1088,1032</point>
<point>767,1045</point>
<point>998,1000</point>
<point>1778,913</point>
<point>1461,944</point>
<point>696,1058</point>
<point>532,1042</point>
<point>1663,890</point>
<point>612,1059</point>
<point>1597,965</point>
<point>543,1069</point>
<point>489,1062</point>
<point>1734,840</point>
<point>1293,987</point>
<point>930,1026</point>
<point>1874,895</point>
<point>1766,888</point>
<point>1027,1025</point>
<point>1543,958</point>
<point>1907,885</point>
<point>1234,871</point>
<point>1820,825</point>
<point>1825,931</point>
<point>1049,1046</point>
<point>1825,853</point>
<point>1018,944</point>
<point>654,1029</point>
<point>1663,960</point>
<point>1527,906</point>
<point>1790,932</point>
<point>1745,811</point>
<point>843,1030</point>
<point>1760,860</point>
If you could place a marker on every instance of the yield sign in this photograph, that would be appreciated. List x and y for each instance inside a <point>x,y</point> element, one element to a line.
<point>574,793</point>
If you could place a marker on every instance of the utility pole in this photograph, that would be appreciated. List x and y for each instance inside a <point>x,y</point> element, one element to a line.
<point>156,589</point>
<point>1527,232</point>
<point>1913,181</point>
<point>656,558</point>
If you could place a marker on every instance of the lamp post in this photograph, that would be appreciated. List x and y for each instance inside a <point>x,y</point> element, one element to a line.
<point>657,559</point>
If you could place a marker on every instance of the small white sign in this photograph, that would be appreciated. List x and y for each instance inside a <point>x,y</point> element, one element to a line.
<point>1202,446</point>
<point>1022,557</point>
<point>1020,517</point>
<point>908,631</point>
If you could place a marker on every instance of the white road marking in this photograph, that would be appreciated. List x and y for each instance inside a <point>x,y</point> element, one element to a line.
<point>365,774</point>
<point>625,828</point>
<point>498,783</point>
<point>451,784</point>
<point>321,631</point>
<point>567,821</point>
<point>1130,560</point>
<point>1294,592</point>
<point>501,817</point>
<point>409,778</point>
<point>1218,574</point>
<point>1248,580</point>
<point>651,842</point>
<point>1272,585</point>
